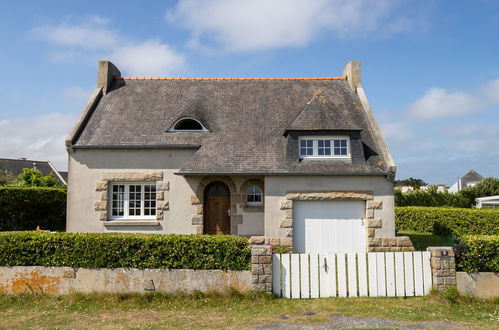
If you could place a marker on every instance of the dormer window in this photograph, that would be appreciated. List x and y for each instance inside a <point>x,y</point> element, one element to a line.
<point>188,125</point>
<point>324,147</point>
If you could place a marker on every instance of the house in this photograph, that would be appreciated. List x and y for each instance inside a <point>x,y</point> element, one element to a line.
<point>16,166</point>
<point>290,161</point>
<point>406,189</point>
<point>440,188</point>
<point>468,180</point>
<point>491,202</point>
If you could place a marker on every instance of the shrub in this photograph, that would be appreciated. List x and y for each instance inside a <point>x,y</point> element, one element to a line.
<point>430,198</point>
<point>478,253</point>
<point>25,208</point>
<point>486,187</point>
<point>464,198</point>
<point>445,221</point>
<point>30,177</point>
<point>124,250</point>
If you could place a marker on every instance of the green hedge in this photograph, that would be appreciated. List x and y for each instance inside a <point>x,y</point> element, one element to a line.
<point>430,198</point>
<point>26,208</point>
<point>445,221</point>
<point>124,250</point>
<point>478,253</point>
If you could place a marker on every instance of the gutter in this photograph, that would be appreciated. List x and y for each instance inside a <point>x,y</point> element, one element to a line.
<point>136,146</point>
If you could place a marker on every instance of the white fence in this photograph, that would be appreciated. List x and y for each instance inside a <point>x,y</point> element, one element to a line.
<point>374,274</point>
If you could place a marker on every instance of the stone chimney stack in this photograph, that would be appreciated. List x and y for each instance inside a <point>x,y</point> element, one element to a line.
<point>106,74</point>
<point>353,74</point>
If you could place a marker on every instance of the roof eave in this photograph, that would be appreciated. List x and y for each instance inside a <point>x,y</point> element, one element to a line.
<point>136,146</point>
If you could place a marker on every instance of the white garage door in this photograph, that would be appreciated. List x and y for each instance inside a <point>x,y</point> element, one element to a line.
<point>328,226</point>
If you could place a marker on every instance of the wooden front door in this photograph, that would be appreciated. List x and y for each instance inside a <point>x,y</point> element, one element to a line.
<point>217,209</point>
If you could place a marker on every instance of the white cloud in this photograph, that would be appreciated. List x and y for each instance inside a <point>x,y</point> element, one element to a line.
<point>397,132</point>
<point>85,36</point>
<point>148,59</point>
<point>40,137</point>
<point>93,39</point>
<point>266,24</point>
<point>438,103</point>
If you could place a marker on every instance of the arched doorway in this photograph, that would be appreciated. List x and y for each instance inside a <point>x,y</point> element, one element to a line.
<point>216,213</point>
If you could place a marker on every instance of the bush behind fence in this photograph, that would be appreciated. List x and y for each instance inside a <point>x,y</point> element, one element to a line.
<point>445,221</point>
<point>25,208</point>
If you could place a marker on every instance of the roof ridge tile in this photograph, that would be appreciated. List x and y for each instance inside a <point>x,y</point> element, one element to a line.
<point>230,78</point>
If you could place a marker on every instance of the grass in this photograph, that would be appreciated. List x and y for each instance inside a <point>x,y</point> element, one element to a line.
<point>229,311</point>
<point>422,240</point>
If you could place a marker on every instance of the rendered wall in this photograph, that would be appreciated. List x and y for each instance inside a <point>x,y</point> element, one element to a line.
<point>65,280</point>
<point>88,167</point>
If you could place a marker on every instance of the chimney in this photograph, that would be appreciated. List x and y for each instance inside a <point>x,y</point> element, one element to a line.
<point>106,74</point>
<point>353,74</point>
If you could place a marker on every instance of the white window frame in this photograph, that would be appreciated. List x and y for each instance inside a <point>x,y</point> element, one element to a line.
<point>126,201</point>
<point>203,129</point>
<point>260,203</point>
<point>316,139</point>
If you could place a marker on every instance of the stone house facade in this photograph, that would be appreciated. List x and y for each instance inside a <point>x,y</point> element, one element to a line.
<point>275,159</point>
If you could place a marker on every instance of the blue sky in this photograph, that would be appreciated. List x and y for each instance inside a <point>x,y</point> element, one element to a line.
<point>430,68</point>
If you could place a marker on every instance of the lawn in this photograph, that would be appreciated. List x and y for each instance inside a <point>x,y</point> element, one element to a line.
<point>422,240</point>
<point>230,311</point>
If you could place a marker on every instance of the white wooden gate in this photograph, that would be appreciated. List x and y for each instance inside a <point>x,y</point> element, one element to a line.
<point>373,274</point>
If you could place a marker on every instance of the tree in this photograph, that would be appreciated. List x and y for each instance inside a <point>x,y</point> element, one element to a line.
<point>34,178</point>
<point>6,178</point>
<point>415,183</point>
<point>486,187</point>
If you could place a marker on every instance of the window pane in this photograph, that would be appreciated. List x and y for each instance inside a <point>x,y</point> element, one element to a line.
<point>150,199</point>
<point>254,195</point>
<point>306,147</point>
<point>324,147</point>
<point>134,200</point>
<point>117,198</point>
<point>340,147</point>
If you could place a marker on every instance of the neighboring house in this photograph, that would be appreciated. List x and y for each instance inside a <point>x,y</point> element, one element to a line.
<point>300,161</point>
<point>406,189</point>
<point>16,166</point>
<point>440,188</point>
<point>491,202</point>
<point>468,180</point>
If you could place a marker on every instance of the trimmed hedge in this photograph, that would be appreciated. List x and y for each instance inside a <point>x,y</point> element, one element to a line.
<point>430,198</point>
<point>124,250</point>
<point>25,208</point>
<point>478,253</point>
<point>446,221</point>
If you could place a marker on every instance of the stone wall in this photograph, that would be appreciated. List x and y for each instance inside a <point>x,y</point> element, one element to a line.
<point>483,285</point>
<point>261,268</point>
<point>443,267</point>
<point>65,280</point>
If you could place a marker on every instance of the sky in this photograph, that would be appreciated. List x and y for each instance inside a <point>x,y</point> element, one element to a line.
<point>430,68</point>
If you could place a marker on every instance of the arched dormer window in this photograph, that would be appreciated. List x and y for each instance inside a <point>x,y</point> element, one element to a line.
<point>188,124</point>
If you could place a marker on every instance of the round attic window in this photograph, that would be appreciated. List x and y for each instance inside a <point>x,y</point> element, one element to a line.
<point>188,124</point>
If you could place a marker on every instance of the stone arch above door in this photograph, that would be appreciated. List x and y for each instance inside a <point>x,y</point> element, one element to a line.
<point>197,199</point>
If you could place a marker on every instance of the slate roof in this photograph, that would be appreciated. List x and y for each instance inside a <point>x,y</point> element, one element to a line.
<point>16,166</point>
<point>254,123</point>
<point>471,176</point>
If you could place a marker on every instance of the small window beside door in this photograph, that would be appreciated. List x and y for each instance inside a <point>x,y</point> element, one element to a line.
<point>254,196</point>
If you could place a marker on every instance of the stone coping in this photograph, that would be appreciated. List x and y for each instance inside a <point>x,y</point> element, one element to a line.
<point>131,223</point>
